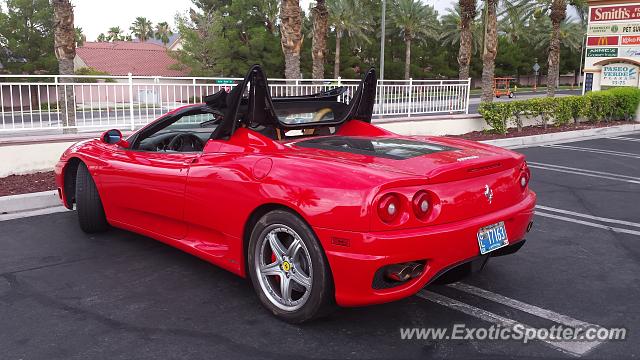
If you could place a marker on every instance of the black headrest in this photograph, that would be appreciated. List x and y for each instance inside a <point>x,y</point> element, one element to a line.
<point>217,100</point>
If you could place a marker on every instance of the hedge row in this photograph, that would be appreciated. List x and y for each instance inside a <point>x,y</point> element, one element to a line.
<point>609,105</point>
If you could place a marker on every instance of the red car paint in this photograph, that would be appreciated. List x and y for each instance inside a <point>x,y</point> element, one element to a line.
<point>201,202</point>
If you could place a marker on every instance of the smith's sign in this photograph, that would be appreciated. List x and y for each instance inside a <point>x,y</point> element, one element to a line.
<point>602,40</point>
<point>613,13</point>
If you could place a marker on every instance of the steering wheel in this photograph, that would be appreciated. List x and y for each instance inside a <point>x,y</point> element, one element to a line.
<point>186,142</point>
<point>321,114</point>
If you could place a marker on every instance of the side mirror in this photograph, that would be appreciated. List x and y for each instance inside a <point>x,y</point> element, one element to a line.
<point>114,136</point>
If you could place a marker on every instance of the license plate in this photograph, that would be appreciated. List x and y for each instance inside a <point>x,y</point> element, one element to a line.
<point>492,237</point>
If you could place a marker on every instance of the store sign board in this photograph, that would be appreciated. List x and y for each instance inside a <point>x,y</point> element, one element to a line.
<point>602,40</point>
<point>631,51</point>
<point>615,13</point>
<point>619,74</point>
<point>602,52</point>
<point>630,40</point>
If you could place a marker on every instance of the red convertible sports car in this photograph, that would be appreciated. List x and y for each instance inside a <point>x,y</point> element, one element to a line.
<point>304,195</point>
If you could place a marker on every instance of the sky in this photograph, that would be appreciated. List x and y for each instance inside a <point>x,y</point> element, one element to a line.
<point>95,17</point>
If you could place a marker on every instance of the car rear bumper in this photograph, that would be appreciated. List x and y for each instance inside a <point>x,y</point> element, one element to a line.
<point>355,257</point>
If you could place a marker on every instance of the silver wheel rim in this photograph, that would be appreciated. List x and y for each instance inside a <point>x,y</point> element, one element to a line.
<point>283,265</point>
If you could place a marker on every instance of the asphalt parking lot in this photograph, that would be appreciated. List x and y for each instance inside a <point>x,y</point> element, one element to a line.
<point>66,295</point>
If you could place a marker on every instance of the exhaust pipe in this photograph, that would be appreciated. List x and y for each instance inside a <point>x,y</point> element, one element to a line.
<point>403,272</point>
<point>529,226</point>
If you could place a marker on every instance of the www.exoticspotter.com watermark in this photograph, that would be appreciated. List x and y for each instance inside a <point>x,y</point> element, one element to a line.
<point>518,332</point>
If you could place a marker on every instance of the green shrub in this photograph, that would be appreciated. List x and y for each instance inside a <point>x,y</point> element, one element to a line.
<point>609,105</point>
<point>496,115</point>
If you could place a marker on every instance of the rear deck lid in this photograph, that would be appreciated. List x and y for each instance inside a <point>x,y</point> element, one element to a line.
<point>435,160</point>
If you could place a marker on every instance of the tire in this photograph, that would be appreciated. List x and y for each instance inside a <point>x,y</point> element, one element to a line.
<point>88,204</point>
<point>299,264</point>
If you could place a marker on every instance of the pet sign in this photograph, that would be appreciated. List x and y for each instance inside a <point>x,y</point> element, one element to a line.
<point>619,74</point>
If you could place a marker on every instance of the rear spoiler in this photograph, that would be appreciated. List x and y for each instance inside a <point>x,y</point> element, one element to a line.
<point>252,100</point>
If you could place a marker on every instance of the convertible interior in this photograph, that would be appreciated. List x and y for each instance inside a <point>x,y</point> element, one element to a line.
<point>250,105</point>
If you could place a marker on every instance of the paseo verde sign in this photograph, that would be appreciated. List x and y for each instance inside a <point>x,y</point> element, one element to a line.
<point>619,74</point>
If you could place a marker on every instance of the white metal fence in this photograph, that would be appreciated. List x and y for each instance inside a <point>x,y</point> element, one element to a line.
<point>128,102</point>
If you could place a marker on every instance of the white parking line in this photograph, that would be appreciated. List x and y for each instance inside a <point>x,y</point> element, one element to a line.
<point>584,172</point>
<point>624,138</point>
<point>588,223</point>
<point>587,216</point>
<point>593,150</point>
<point>516,304</point>
<point>574,348</point>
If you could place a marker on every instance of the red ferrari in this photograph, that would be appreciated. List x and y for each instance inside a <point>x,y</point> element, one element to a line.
<point>304,196</point>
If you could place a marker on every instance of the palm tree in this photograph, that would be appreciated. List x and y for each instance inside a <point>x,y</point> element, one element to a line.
<point>450,29</point>
<point>352,18</point>
<point>460,27</point>
<point>571,36</point>
<point>64,36</point>
<point>163,32</point>
<point>142,29</point>
<point>114,34</point>
<point>490,49</point>
<point>320,16</point>
<point>291,37</point>
<point>415,21</point>
<point>558,13</point>
<point>513,22</point>
<point>468,14</point>
<point>80,37</point>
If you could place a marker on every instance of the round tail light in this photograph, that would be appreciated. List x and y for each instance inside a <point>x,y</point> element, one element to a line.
<point>421,204</point>
<point>389,208</point>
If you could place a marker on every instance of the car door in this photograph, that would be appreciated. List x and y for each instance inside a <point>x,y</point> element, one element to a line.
<point>146,190</point>
<point>145,184</point>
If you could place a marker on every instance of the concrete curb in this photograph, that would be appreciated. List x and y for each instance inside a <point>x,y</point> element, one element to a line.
<point>566,136</point>
<point>28,202</point>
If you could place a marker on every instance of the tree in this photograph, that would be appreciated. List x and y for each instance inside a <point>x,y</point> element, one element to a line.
<point>224,40</point>
<point>142,29</point>
<point>490,49</point>
<point>468,13</point>
<point>415,21</point>
<point>558,13</point>
<point>320,16</point>
<point>163,32</point>
<point>102,38</point>
<point>65,50</point>
<point>291,37</point>
<point>452,32</point>
<point>114,34</point>
<point>26,30</point>
<point>80,37</point>
<point>350,17</point>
